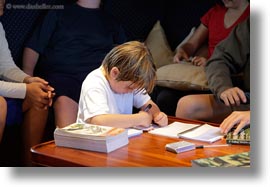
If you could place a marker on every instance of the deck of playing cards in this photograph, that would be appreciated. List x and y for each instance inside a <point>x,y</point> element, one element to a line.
<point>179,147</point>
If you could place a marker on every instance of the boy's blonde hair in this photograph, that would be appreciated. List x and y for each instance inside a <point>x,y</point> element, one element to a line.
<point>135,64</point>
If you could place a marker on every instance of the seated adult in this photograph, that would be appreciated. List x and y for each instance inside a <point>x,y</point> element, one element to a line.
<point>215,26</point>
<point>67,45</point>
<point>33,95</point>
<point>230,57</point>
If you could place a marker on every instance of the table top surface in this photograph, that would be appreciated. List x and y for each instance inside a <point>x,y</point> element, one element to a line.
<point>145,150</point>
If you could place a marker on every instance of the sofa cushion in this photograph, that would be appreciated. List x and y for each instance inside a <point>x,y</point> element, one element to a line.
<point>157,43</point>
<point>182,76</point>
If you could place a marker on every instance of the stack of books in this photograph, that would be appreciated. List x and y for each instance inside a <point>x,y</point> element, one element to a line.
<point>91,137</point>
<point>243,137</point>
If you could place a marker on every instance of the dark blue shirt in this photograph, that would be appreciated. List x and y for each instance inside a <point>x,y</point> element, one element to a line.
<point>75,39</point>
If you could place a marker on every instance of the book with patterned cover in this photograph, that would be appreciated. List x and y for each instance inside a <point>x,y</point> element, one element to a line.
<point>243,137</point>
<point>91,137</point>
<point>232,160</point>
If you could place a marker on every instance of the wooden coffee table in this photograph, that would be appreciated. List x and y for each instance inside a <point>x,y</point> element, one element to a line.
<point>146,150</point>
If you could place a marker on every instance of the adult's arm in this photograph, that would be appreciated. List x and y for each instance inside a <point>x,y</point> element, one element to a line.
<point>39,41</point>
<point>192,45</point>
<point>231,56</point>
<point>11,77</point>
<point>8,69</point>
<point>30,58</point>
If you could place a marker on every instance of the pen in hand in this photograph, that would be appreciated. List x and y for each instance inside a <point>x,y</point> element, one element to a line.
<point>147,108</point>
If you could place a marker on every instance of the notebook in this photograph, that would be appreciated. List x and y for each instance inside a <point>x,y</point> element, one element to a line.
<point>205,132</point>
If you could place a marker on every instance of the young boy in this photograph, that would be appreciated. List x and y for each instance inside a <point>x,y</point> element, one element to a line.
<point>110,92</point>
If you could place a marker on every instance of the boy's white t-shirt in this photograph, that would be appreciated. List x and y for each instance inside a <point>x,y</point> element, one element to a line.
<point>98,98</point>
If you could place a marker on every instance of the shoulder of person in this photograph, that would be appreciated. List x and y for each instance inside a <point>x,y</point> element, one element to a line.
<point>217,8</point>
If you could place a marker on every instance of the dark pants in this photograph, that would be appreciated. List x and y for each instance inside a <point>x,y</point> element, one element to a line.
<point>167,98</point>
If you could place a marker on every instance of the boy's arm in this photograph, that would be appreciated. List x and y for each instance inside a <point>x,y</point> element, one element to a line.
<point>122,120</point>
<point>30,58</point>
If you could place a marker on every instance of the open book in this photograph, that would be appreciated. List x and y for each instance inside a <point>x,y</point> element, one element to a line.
<point>205,133</point>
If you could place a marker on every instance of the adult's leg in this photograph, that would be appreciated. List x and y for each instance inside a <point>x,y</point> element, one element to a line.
<point>3,115</point>
<point>67,88</point>
<point>65,111</point>
<point>34,122</point>
<point>202,107</point>
<point>166,99</point>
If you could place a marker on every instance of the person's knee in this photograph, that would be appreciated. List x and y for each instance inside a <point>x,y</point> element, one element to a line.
<point>186,107</point>
<point>66,104</point>
<point>65,111</point>
<point>3,104</point>
<point>3,113</point>
<point>64,101</point>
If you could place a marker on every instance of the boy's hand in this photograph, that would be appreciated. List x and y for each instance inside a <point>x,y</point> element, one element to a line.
<point>146,119</point>
<point>161,119</point>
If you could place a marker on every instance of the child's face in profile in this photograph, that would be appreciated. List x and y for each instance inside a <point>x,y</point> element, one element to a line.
<point>122,87</point>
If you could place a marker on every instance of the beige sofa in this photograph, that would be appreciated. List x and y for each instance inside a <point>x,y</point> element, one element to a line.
<point>184,76</point>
